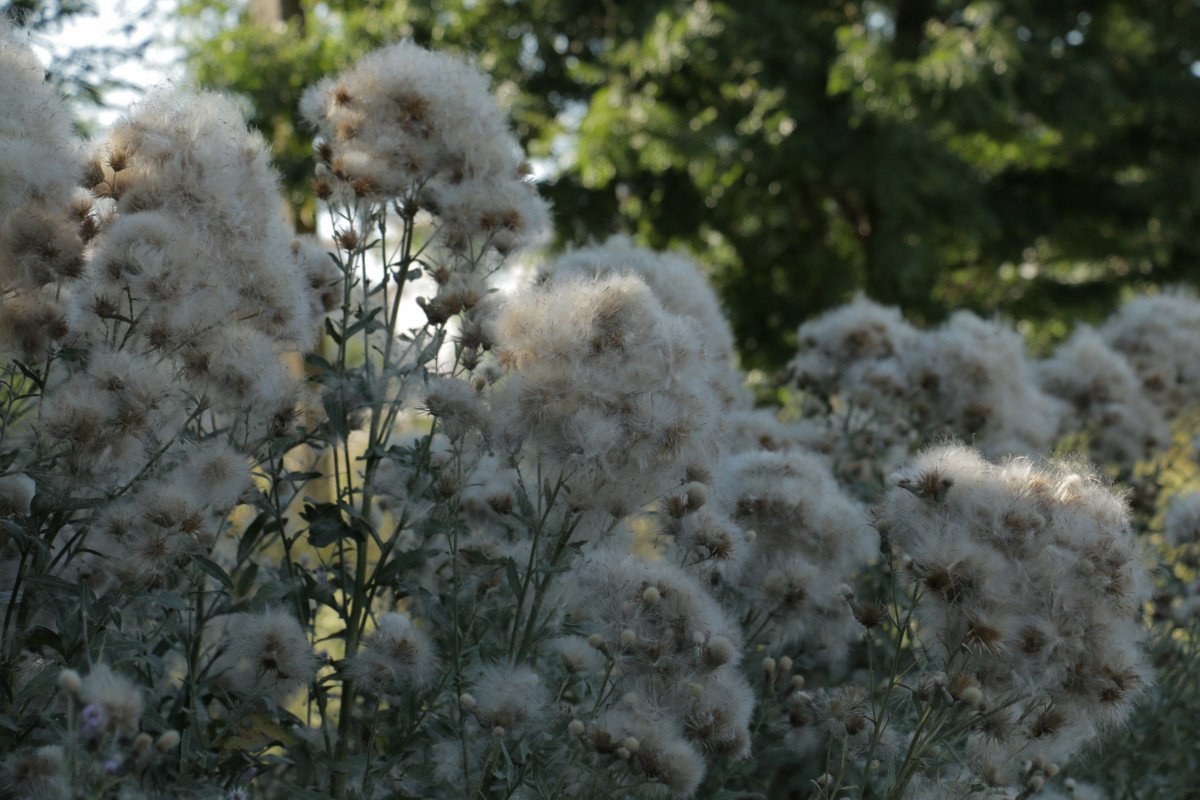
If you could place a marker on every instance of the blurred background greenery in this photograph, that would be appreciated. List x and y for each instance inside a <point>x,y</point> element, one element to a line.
<point>1034,159</point>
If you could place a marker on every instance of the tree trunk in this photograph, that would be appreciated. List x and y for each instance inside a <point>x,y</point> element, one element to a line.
<point>272,12</point>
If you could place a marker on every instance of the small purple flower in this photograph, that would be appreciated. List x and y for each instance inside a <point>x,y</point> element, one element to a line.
<point>238,793</point>
<point>93,718</point>
<point>112,766</point>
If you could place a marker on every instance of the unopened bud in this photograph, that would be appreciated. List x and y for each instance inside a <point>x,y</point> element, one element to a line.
<point>720,650</point>
<point>168,741</point>
<point>70,682</point>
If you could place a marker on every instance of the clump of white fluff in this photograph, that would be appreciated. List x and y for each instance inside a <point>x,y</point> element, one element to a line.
<point>39,155</point>
<point>104,422</point>
<point>423,127</point>
<point>199,234</point>
<point>508,699</point>
<point>36,773</point>
<point>1031,577</point>
<point>762,429</point>
<point>16,493</point>
<point>678,284</point>
<point>851,365</point>
<point>670,643</point>
<point>855,351</point>
<point>811,539</point>
<point>116,704</point>
<point>606,383</point>
<point>1107,397</point>
<point>271,654</point>
<point>883,385</point>
<point>972,378</point>
<point>1160,336</point>
<point>40,237</point>
<point>398,656</point>
<point>662,755</point>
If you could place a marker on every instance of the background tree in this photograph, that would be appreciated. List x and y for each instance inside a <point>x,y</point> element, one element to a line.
<point>1031,158</point>
<point>82,73</point>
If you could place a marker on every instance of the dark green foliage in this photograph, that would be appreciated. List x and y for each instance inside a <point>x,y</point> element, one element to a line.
<point>1032,158</point>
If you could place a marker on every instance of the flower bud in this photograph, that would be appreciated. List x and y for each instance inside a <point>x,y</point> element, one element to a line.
<point>70,682</point>
<point>720,650</point>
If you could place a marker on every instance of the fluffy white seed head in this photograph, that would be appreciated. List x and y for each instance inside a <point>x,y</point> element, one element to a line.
<point>273,652</point>
<point>120,701</point>
<point>512,698</point>
<point>16,494</point>
<point>1160,337</point>
<point>1107,396</point>
<point>604,381</point>
<point>199,235</point>
<point>1032,571</point>
<point>679,285</point>
<point>423,127</point>
<point>972,377</point>
<point>398,656</point>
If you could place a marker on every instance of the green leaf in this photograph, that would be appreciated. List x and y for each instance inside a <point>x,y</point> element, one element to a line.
<point>215,570</point>
<point>367,322</point>
<point>514,578</point>
<point>250,537</point>
<point>335,412</point>
<point>327,526</point>
<point>401,563</point>
<point>40,684</point>
<point>322,370</point>
<point>42,636</point>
